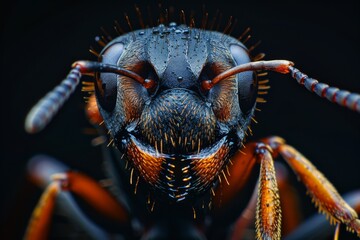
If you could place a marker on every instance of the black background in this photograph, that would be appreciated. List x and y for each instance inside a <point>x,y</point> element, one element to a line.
<point>40,40</point>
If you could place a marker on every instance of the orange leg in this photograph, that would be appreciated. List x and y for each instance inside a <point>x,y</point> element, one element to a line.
<point>240,169</point>
<point>40,221</point>
<point>323,193</point>
<point>268,210</point>
<point>310,228</point>
<point>290,205</point>
<point>242,164</point>
<point>268,213</point>
<point>94,194</point>
<point>246,218</point>
<point>66,183</point>
<point>291,217</point>
<point>265,199</point>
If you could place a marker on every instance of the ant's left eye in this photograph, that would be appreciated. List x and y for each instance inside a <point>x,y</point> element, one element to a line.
<point>247,81</point>
<point>106,83</point>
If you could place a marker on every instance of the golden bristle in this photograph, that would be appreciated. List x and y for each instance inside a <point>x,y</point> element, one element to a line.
<point>250,130</point>
<point>247,30</point>
<point>139,16</point>
<point>233,25</point>
<point>110,142</point>
<point>98,140</point>
<point>182,17</point>
<point>242,152</point>
<point>128,22</point>
<point>210,205</point>
<point>100,41</point>
<point>260,100</point>
<point>246,39</point>
<point>118,28</point>
<point>87,83</point>
<point>228,25</point>
<point>131,176</point>
<point>263,87</point>
<point>92,51</point>
<point>152,206</point>
<point>204,20</point>
<point>262,82</point>
<point>167,17</point>
<point>136,184</point>
<point>219,177</point>
<point>88,89</point>
<point>254,46</point>
<point>262,75</point>
<point>258,57</point>
<point>227,170</point>
<point>194,213</point>
<point>192,23</point>
<point>212,192</point>
<point>126,165</point>
<point>254,120</point>
<point>106,34</point>
<point>226,180</point>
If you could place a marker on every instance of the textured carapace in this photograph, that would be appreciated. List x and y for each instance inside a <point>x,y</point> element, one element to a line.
<point>178,135</point>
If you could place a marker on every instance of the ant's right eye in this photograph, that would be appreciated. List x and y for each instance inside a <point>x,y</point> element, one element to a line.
<point>247,81</point>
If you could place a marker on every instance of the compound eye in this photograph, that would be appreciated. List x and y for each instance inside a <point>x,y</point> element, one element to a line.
<point>106,83</point>
<point>247,81</point>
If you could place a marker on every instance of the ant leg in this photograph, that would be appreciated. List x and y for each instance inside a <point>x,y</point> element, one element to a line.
<point>240,169</point>
<point>290,205</point>
<point>310,227</point>
<point>246,218</point>
<point>323,193</point>
<point>60,184</point>
<point>39,224</point>
<point>268,209</point>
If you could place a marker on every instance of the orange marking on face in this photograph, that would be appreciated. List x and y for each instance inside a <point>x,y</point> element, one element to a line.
<point>133,101</point>
<point>148,165</point>
<point>92,111</point>
<point>223,103</point>
<point>209,167</point>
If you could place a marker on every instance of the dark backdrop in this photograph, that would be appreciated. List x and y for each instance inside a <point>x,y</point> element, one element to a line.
<point>41,39</point>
